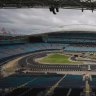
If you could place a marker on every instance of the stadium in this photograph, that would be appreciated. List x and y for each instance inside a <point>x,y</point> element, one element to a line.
<point>48,64</point>
<point>47,56</point>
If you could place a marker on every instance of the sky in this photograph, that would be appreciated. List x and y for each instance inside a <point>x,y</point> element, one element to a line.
<point>34,21</point>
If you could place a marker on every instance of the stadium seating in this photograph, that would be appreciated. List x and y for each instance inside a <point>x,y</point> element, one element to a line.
<point>26,80</point>
<point>12,50</point>
<point>8,51</point>
<point>61,91</point>
<point>80,49</point>
<point>68,40</point>
<point>72,81</point>
<point>93,82</point>
<point>36,84</point>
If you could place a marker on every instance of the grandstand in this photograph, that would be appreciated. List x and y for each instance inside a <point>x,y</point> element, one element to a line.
<point>48,41</point>
<point>33,78</point>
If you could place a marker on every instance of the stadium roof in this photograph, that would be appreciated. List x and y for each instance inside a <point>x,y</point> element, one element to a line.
<point>87,4</point>
<point>53,5</point>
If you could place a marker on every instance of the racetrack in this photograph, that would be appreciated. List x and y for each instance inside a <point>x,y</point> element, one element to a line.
<point>30,64</point>
<point>27,64</point>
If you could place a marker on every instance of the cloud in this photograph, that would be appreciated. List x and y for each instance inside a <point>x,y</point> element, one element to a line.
<point>33,21</point>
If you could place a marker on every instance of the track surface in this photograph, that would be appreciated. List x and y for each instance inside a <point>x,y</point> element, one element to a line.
<point>29,63</point>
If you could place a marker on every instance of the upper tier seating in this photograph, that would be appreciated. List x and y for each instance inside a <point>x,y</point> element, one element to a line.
<point>80,49</point>
<point>71,40</point>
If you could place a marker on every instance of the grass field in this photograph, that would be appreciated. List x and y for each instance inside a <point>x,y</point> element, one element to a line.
<point>56,58</point>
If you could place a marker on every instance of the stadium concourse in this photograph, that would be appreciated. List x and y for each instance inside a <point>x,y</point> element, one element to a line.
<point>21,75</point>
